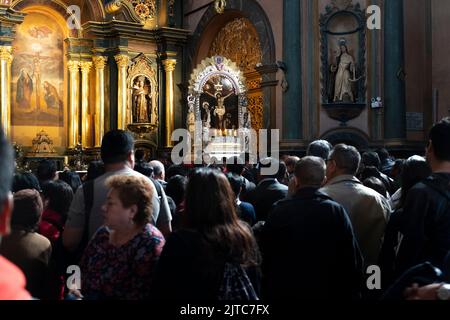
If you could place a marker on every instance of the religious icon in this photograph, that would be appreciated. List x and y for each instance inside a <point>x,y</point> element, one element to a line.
<point>220,110</point>
<point>51,96</point>
<point>207,115</point>
<point>142,105</point>
<point>345,70</point>
<point>24,90</point>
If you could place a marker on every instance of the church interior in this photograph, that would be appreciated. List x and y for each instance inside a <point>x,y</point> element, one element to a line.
<point>71,70</point>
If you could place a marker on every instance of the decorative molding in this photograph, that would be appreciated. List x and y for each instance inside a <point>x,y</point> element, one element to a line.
<point>99,62</point>
<point>122,60</point>
<point>239,42</point>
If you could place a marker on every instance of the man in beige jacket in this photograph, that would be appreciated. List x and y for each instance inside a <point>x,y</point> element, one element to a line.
<point>368,211</point>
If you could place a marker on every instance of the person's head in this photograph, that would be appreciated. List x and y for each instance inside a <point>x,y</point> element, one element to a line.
<point>6,177</point>
<point>236,165</point>
<point>210,209</point>
<point>369,172</point>
<point>376,184</point>
<point>371,159</point>
<point>46,170</point>
<point>344,48</point>
<point>290,162</point>
<point>95,170</point>
<point>415,169</point>
<point>139,155</point>
<point>309,172</point>
<point>25,180</point>
<point>158,169</point>
<point>57,196</point>
<point>383,154</point>
<point>397,168</point>
<point>117,148</point>
<point>176,188</point>
<point>235,183</point>
<point>27,211</point>
<point>128,203</point>
<point>144,168</point>
<point>319,148</point>
<point>141,82</point>
<point>343,160</point>
<point>71,178</point>
<point>438,150</point>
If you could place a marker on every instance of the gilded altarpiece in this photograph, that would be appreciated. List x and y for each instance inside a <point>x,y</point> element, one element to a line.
<point>239,42</point>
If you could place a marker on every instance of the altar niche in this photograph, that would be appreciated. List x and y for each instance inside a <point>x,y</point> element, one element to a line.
<point>217,101</point>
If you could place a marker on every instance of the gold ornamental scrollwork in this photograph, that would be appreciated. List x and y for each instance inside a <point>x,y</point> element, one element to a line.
<point>99,62</point>
<point>144,9</point>
<point>239,42</point>
<point>122,60</point>
<point>6,54</point>
<point>219,6</point>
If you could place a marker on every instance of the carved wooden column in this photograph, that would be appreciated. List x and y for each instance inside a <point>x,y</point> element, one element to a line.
<point>122,64</point>
<point>5,88</point>
<point>86,130</point>
<point>99,63</point>
<point>74,137</point>
<point>169,67</point>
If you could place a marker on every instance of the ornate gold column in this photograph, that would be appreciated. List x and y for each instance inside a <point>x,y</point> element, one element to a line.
<point>169,67</point>
<point>5,88</point>
<point>122,64</point>
<point>86,132</point>
<point>99,63</point>
<point>74,137</point>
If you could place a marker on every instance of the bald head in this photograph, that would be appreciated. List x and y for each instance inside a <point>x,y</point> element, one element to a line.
<point>310,172</point>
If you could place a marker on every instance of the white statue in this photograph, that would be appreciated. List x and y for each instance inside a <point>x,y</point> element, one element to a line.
<point>345,68</point>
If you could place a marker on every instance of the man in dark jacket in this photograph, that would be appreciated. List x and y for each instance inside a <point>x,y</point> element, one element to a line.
<point>269,190</point>
<point>308,245</point>
<point>425,221</point>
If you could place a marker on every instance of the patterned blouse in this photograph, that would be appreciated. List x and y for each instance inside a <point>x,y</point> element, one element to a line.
<point>125,272</point>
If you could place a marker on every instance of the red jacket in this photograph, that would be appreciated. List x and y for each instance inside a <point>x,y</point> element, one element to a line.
<point>12,282</point>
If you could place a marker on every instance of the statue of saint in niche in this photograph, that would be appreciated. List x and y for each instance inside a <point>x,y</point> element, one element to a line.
<point>142,100</point>
<point>345,70</point>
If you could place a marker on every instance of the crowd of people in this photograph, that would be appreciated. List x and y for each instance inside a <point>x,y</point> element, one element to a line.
<point>141,229</point>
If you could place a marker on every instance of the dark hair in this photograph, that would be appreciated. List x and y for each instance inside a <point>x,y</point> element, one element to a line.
<point>371,159</point>
<point>376,184</point>
<point>134,191</point>
<point>139,155</point>
<point>95,170</point>
<point>415,169</point>
<point>25,180</point>
<point>60,196</point>
<point>176,188</point>
<point>71,178</point>
<point>319,148</point>
<point>235,183</point>
<point>310,171</point>
<point>143,168</point>
<point>236,165</point>
<point>46,170</point>
<point>211,210</point>
<point>116,146</point>
<point>6,168</point>
<point>383,154</point>
<point>440,139</point>
<point>176,170</point>
<point>27,210</point>
<point>369,172</point>
<point>347,158</point>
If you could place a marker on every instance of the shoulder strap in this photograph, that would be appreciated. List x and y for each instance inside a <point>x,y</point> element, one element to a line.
<point>158,187</point>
